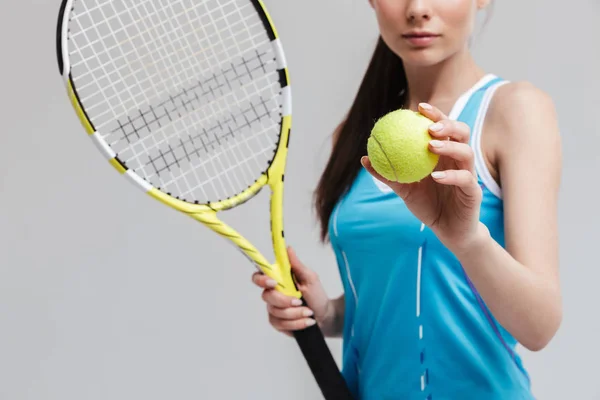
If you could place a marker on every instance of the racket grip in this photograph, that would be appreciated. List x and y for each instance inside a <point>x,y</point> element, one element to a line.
<point>321,363</point>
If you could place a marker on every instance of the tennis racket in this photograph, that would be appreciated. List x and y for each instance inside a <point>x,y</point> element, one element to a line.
<point>190,101</point>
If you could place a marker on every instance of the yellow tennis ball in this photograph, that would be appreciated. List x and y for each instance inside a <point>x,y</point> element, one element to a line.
<point>398,147</point>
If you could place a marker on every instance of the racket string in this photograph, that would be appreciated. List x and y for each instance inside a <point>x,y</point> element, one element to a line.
<point>126,76</point>
<point>124,55</point>
<point>236,144</point>
<point>132,72</point>
<point>239,50</point>
<point>245,63</point>
<point>196,124</point>
<point>194,121</point>
<point>190,126</point>
<point>175,79</point>
<point>149,78</point>
<point>225,171</point>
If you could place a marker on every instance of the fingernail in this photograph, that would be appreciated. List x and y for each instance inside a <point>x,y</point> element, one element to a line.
<point>296,302</point>
<point>271,283</point>
<point>308,313</point>
<point>310,322</point>
<point>425,106</point>
<point>438,174</point>
<point>436,127</point>
<point>437,143</point>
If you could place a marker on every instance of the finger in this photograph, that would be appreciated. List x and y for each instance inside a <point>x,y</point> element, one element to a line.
<point>287,333</point>
<point>460,178</point>
<point>399,188</point>
<point>431,112</point>
<point>295,325</point>
<point>366,162</point>
<point>277,299</point>
<point>263,281</point>
<point>289,313</point>
<point>449,129</point>
<point>462,153</point>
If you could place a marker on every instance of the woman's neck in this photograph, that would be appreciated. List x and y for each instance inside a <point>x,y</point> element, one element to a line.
<point>443,83</point>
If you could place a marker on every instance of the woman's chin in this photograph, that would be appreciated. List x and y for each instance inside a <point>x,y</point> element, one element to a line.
<point>420,56</point>
<point>422,59</point>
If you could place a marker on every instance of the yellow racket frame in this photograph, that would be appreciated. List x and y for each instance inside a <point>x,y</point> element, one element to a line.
<point>280,270</point>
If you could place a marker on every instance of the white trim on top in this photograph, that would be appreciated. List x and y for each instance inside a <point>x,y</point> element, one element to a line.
<point>460,104</point>
<point>480,166</point>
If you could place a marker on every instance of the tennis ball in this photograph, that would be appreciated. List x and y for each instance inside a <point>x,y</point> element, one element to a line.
<point>398,147</point>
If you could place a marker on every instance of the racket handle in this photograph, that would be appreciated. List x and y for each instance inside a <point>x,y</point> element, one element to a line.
<point>321,363</point>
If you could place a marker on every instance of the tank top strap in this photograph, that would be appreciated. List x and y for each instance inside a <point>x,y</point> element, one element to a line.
<point>471,108</point>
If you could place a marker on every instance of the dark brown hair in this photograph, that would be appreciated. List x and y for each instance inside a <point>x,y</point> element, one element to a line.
<point>383,89</point>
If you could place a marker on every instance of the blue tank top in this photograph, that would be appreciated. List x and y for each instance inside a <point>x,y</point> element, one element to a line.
<point>415,327</point>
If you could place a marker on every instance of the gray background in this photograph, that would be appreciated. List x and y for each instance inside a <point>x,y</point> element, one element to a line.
<point>106,294</point>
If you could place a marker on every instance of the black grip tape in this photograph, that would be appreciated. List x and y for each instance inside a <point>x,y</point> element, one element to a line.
<point>321,363</point>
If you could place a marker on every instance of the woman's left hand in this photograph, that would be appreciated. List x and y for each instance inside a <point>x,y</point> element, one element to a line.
<point>447,201</point>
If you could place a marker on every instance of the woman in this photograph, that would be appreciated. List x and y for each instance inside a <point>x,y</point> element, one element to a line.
<point>442,278</point>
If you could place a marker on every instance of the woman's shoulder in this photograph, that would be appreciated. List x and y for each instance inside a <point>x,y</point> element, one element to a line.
<point>519,113</point>
<point>519,117</point>
<point>515,101</point>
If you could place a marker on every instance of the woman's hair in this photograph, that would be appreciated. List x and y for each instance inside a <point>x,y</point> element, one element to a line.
<point>383,89</point>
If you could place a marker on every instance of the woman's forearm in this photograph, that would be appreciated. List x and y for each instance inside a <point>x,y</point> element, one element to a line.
<point>333,324</point>
<point>524,303</point>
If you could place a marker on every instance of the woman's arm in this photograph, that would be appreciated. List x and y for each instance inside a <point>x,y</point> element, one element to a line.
<point>520,285</point>
<point>287,314</point>
<point>333,324</point>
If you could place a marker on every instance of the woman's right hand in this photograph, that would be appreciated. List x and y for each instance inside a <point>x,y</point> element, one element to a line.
<point>287,314</point>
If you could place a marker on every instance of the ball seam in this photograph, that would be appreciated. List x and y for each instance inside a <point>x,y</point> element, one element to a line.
<point>386,157</point>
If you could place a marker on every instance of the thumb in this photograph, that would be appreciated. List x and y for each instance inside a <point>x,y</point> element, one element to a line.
<point>399,188</point>
<point>366,162</point>
<point>302,273</point>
